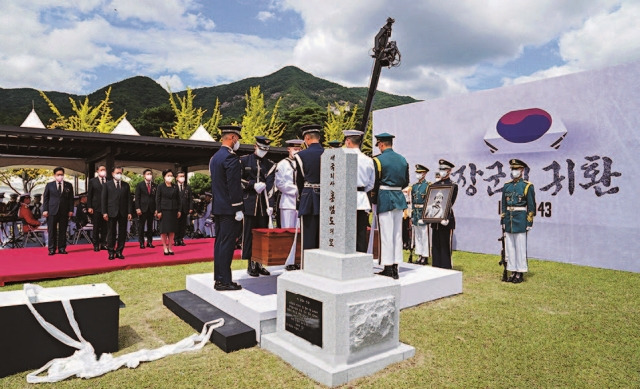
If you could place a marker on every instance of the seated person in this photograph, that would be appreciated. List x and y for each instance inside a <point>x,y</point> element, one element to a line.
<point>24,213</point>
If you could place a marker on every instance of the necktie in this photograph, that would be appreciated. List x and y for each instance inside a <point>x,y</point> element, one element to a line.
<point>59,187</point>
<point>118,185</point>
<point>180,188</point>
<point>149,188</point>
<point>102,181</point>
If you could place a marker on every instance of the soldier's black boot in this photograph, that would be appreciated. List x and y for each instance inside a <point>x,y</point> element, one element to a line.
<point>426,261</point>
<point>387,271</point>
<point>518,278</point>
<point>512,276</point>
<point>395,274</point>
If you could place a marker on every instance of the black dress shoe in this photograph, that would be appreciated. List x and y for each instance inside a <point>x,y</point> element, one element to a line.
<point>512,276</point>
<point>96,248</point>
<point>171,252</point>
<point>263,271</point>
<point>292,267</point>
<point>518,279</point>
<point>149,244</point>
<point>119,255</point>
<point>253,273</point>
<point>387,271</point>
<point>62,251</point>
<point>222,287</point>
<point>103,247</point>
<point>52,252</point>
<point>166,253</point>
<point>142,245</point>
<point>111,256</point>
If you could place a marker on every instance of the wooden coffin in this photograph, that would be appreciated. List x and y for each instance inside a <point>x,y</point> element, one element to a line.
<point>271,246</point>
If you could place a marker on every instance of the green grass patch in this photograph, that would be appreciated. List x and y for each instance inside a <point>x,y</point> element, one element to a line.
<point>565,326</point>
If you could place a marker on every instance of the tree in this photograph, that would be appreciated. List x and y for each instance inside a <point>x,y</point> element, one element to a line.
<point>255,122</point>
<point>367,140</point>
<point>86,118</point>
<point>211,125</point>
<point>30,177</point>
<point>339,118</point>
<point>200,183</point>
<point>188,118</point>
<point>153,119</point>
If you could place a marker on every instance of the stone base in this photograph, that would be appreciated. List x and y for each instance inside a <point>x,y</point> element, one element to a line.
<point>331,375</point>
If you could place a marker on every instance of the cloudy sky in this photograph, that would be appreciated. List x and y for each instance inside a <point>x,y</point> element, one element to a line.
<point>448,47</point>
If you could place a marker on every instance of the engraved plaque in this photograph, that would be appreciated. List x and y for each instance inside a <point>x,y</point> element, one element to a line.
<point>304,317</point>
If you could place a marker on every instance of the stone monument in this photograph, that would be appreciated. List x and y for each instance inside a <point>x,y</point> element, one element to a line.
<point>336,320</point>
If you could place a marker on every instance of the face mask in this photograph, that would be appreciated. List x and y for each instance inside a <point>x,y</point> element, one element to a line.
<point>261,153</point>
<point>117,176</point>
<point>236,146</point>
<point>148,177</point>
<point>59,178</point>
<point>168,179</point>
<point>515,173</point>
<point>181,179</point>
<point>102,173</point>
<point>443,174</point>
<point>419,176</point>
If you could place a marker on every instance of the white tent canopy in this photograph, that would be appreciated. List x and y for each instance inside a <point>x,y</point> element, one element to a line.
<point>33,121</point>
<point>125,128</point>
<point>202,134</point>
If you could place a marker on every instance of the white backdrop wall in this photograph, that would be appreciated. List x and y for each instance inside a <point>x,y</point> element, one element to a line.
<point>589,187</point>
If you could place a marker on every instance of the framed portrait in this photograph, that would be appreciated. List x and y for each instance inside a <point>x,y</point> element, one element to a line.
<point>438,203</point>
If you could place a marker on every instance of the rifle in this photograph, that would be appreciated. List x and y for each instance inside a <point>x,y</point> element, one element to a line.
<point>503,257</point>
<point>412,244</point>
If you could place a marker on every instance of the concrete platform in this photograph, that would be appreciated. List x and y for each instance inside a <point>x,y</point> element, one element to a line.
<point>256,304</point>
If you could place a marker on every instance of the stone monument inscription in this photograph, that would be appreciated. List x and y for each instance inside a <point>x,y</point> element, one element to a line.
<point>304,317</point>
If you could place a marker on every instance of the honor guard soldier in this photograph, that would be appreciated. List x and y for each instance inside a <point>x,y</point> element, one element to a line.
<point>308,181</point>
<point>442,232</point>
<point>257,181</point>
<point>392,175</point>
<point>226,190</point>
<point>334,144</point>
<point>57,207</point>
<point>365,180</point>
<point>518,209</point>
<point>285,181</point>
<point>145,204</point>
<point>420,229</point>
<point>94,203</point>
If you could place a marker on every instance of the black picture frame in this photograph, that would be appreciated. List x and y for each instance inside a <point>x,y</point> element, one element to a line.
<point>443,200</point>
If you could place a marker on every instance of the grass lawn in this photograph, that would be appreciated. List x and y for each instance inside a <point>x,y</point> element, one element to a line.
<point>565,326</point>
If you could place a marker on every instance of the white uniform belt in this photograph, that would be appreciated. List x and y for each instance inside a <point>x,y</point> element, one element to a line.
<point>418,205</point>
<point>384,187</point>
<point>310,185</point>
<point>516,208</point>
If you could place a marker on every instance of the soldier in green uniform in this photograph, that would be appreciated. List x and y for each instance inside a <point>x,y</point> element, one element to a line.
<point>419,227</point>
<point>518,210</point>
<point>392,175</point>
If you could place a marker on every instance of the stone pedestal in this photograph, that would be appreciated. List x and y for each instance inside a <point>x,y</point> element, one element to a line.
<point>336,320</point>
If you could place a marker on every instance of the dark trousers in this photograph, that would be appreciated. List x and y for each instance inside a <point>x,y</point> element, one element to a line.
<point>57,228</point>
<point>310,232</point>
<point>99,234</point>
<point>251,222</point>
<point>119,223</point>
<point>182,227</point>
<point>362,222</point>
<point>441,246</point>
<point>227,230</point>
<point>145,219</point>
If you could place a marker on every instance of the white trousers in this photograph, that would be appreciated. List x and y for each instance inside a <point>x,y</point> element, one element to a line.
<point>390,237</point>
<point>515,247</point>
<point>288,218</point>
<point>421,240</point>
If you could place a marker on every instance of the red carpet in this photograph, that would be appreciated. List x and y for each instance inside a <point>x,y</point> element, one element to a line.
<point>33,263</point>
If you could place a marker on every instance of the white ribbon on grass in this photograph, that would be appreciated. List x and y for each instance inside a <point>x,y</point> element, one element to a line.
<point>84,363</point>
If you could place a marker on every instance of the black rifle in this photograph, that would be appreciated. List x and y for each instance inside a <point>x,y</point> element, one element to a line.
<point>412,242</point>
<point>503,258</point>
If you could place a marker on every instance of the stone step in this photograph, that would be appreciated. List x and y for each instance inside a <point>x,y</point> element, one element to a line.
<point>233,335</point>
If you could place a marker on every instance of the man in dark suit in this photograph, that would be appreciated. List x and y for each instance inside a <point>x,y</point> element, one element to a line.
<point>226,205</point>
<point>186,201</point>
<point>57,207</point>
<point>94,205</point>
<point>145,197</point>
<point>116,210</point>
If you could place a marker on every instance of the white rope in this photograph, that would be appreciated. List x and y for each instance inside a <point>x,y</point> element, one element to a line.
<point>83,363</point>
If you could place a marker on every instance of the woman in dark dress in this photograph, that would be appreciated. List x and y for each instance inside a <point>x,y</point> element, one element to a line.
<point>168,204</point>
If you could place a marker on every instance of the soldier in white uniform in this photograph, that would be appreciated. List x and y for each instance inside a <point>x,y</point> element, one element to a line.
<point>285,181</point>
<point>366,179</point>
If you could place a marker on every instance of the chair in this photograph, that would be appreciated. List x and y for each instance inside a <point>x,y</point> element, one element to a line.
<point>30,233</point>
<point>83,232</point>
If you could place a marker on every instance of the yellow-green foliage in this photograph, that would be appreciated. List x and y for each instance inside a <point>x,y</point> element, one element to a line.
<point>367,146</point>
<point>31,177</point>
<point>211,125</point>
<point>338,121</point>
<point>86,118</point>
<point>188,118</point>
<point>255,122</point>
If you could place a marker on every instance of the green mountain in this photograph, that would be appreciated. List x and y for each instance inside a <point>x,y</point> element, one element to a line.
<point>304,98</point>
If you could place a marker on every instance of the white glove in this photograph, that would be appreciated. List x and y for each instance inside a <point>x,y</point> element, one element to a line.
<point>259,187</point>
<point>239,216</point>
<point>421,222</point>
<point>528,228</point>
<point>445,222</point>
<point>269,211</point>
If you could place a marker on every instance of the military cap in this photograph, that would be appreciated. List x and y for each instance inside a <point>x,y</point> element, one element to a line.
<point>421,168</point>
<point>13,195</point>
<point>335,144</point>
<point>37,195</point>
<point>208,194</point>
<point>309,128</point>
<point>444,164</point>
<point>263,142</point>
<point>352,133</point>
<point>58,169</point>
<point>24,196</point>
<point>83,194</point>
<point>231,130</point>
<point>517,164</point>
<point>385,136</point>
<point>294,142</point>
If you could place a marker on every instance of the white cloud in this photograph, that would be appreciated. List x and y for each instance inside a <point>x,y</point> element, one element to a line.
<point>171,83</point>
<point>263,16</point>
<point>175,14</point>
